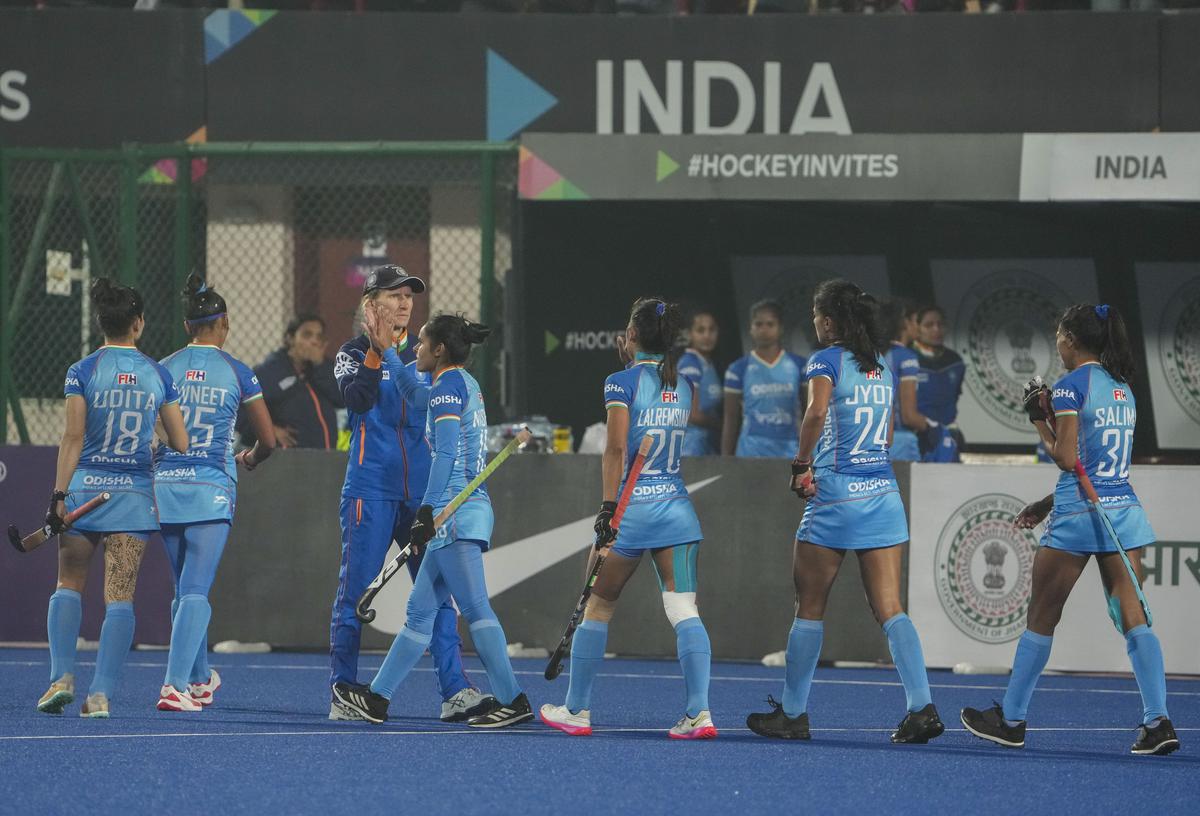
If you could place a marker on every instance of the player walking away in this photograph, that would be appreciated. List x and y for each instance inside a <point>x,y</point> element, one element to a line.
<point>114,397</point>
<point>853,504</point>
<point>645,400</point>
<point>898,317</point>
<point>763,391</point>
<point>456,427</point>
<point>385,476</point>
<point>697,368</point>
<point>1095,416</point>
<point>940,383</point>
<point>197,491</point>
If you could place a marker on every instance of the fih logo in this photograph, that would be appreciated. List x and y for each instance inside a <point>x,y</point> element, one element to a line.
<point>195,375</point>
<point>1005,331</point>
<point>670,396</point>
<point>983,568</point>
<point>127,379</point>
<point>515,100</point>
<point>1119,395</point>
<point>1179,347</point>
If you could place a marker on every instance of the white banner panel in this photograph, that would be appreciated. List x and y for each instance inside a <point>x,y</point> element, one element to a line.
<point>791,280</point>
<point>1001,317</point>
<point>1169,294</point>
<point>970,569</point>
<point>1110,167</point>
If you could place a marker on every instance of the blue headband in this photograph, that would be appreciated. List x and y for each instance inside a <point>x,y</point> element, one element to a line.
<point>195,321</point>
<point>660,309</point>
<point>1102,311</point>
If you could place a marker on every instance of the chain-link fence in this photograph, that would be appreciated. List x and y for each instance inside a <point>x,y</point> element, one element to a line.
<point>278,229</point>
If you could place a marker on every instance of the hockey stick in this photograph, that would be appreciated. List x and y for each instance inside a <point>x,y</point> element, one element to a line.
<point>1093,499</point>
<point>43,534</point>
<point>362,609</point>
<point>554,667</point>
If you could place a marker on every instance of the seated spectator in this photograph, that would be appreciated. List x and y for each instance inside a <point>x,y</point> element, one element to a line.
<point>299,387</point>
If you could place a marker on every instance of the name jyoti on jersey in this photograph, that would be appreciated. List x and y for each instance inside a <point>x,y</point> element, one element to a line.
<point>662,416</point>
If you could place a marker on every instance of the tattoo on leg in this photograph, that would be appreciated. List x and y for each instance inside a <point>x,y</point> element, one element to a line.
<point>122,559</point>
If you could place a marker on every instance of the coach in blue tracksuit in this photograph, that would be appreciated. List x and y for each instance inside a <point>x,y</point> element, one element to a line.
<point>385,479</point>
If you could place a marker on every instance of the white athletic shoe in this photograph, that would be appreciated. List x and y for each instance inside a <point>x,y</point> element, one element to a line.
<point>95,707</point>
<point>172,699</point>
<point>202,693</point>
<point>690,728</point>
<point>340,711</point>
<point>465,704</point>
<point>560,717</point>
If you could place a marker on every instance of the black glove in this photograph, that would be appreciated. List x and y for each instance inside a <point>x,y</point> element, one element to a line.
<point>605,534</point>
<point>929,438</point>
<point>422,528</point>
<point>1035,406</point>
<point>803,483</point>
<point>53,520</point>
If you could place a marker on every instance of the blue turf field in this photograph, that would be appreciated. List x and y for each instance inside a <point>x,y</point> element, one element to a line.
<point>266,747</point>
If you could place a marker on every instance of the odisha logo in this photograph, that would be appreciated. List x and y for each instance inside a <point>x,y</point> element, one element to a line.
<point>1005,331</point>
<point>984,568</point>
<point>1179,353</point>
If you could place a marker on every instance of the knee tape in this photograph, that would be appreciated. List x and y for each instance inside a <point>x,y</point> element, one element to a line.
<point>599,609</point>
<point>680,606</point>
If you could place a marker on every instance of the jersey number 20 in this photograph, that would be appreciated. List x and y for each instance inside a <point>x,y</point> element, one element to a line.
<point>672,441</point>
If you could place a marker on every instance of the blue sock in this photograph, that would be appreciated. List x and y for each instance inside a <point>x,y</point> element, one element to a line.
<point>695,658</point>
<point>1033,650</point>
<point>803,649</point>
<point>493,651</point>
<point>200,670</point>
<point>406,650</point>
<point>905,646</point>
<point>116,636</point>
<point>191,622</point>
<point>1145,653</point>
<point>62,628</point>
<point>587,655</point>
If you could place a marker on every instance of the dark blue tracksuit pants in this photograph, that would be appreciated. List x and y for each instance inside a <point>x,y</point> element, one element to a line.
<point>368,528</point>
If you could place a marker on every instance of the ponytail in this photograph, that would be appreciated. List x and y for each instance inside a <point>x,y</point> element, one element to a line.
<point>1101,331</point>
<point>660,331</point>
<point>116,306</point>
<point>855,318</point>
<point>457,334</point>
<point>201,304</point>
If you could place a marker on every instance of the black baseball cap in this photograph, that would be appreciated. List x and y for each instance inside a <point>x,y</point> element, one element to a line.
<point>391,276</point>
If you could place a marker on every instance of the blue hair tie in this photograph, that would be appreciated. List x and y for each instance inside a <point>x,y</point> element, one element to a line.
<point>1102,311</point>
<point>203,288</point>
<point>660,309</point>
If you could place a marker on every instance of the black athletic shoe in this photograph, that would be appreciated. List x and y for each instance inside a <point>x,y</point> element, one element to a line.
<point>362,701</point>
<point>1160,739</point>
<point>779,725</point>
<point>502,716</point>
<point>919,727</point>
<point>990,725</point>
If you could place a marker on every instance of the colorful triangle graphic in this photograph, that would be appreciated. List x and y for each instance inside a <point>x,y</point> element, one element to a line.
<point>562,190</point>
<point>513,99</point>
<point>225,28</point>
<point>665,166</point>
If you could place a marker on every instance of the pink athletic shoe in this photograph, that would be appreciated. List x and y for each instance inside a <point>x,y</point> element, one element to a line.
<point>560,717</point>
<point>690,728</point>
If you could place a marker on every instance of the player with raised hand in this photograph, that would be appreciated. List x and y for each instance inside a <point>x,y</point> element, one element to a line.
<point>843,469</point>
<point>898,317</point>
<point>697,368</point>
<point>763,391</point>
<point>197,490</point>
<point>387,472</point>
<point>1087,425</point>
<point>114,397</point>
<point>456,428</point>
<point>646,399</point>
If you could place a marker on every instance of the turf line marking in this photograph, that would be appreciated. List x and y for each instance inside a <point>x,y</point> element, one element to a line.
<point>358,731</point>
<point>633,676</point>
